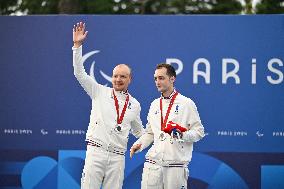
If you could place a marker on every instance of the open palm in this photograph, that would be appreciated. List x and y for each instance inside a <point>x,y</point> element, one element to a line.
<point>79,33</point>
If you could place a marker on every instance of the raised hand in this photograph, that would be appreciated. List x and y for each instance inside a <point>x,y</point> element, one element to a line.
<point>79,34</point>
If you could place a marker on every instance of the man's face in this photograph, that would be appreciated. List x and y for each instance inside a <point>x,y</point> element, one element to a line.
<point>121,77</point>
<point>162,80</point>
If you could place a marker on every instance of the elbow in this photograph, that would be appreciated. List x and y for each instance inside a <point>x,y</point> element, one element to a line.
<point>200,134</point>
<point>78,75</point>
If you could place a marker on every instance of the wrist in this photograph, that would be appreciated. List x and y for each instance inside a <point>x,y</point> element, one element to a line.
<point>77,44</point>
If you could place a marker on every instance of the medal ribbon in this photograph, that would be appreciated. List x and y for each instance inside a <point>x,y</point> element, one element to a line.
<point>120,118</point>
<point>163,123</point>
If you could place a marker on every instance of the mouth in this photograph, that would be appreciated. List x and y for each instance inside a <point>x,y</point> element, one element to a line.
<point>119,84</point>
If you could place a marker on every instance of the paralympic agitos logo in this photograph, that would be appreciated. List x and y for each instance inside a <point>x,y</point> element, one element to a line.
<point>85,57</point>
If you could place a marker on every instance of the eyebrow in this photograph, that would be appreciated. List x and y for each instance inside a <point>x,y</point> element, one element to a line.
<point>160,76</point>
<point>120,74</point>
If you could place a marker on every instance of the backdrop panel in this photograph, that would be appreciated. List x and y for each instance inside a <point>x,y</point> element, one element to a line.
<point>231,66</point>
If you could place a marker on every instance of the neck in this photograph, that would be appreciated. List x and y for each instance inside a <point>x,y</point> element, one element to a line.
<point>168,92</point>
<point>124,90</point>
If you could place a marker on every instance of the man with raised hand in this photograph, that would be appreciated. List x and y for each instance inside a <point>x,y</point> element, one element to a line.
<point>173,125</point>
<point>115,113</point>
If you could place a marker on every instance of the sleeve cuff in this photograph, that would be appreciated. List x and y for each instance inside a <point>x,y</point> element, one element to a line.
<point>76,48</point>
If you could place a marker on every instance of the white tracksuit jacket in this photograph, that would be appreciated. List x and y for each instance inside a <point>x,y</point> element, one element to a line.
<point>167,150</point>
<point>103,114</point>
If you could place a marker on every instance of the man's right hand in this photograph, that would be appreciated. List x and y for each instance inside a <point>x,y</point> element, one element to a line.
<point>79,34</point>
<point>134,148</point>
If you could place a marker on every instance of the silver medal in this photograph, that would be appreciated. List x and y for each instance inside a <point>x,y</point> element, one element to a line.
<point>162,136</point>
<point>118,128</point>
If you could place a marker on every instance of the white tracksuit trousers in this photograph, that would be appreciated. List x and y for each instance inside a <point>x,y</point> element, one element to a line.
<point>102,168</point>
<point>158,177</point>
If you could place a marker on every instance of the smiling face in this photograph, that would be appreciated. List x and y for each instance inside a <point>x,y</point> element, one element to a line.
<point>121,77</point>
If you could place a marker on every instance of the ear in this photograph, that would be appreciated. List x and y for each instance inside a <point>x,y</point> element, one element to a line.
<point>130,78</point>
<point>172,79</point>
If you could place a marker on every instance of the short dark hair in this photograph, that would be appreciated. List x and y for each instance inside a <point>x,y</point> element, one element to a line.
<point>170,69</point>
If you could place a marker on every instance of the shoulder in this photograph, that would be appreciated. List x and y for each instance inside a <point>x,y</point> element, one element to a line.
<point>185,100</point>
<point>134,101</point>
<point>103,90</point>
<point>155,102</point>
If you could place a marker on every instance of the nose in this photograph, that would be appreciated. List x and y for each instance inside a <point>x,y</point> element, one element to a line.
<point>157,82</point>
<point>118,78</point>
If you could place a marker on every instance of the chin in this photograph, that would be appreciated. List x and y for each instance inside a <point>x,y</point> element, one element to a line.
<point>118,88</point>
<point>160,90</point>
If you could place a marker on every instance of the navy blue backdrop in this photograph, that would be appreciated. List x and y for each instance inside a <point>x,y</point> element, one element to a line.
<point>231,66</point>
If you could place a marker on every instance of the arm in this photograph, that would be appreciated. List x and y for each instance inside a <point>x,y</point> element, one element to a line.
<point>87,82</point>
<point>196,130</point>
<point>145,140</point>
<point>136,125</point>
